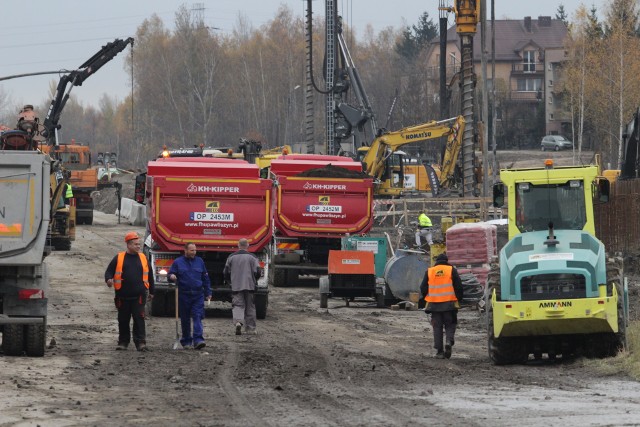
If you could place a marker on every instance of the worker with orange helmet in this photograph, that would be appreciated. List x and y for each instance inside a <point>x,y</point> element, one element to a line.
<point>128,274</point>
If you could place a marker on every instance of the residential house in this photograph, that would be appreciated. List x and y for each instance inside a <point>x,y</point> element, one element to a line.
<point>528,58</point>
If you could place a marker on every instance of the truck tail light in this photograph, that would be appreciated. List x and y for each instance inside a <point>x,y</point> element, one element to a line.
<point>30,294</point>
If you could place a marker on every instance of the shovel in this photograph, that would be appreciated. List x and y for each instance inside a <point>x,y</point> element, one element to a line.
<point>177,345</point>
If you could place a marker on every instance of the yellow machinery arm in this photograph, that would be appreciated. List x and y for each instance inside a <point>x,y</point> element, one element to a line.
<point>384,145</point>
<point>467,15</point>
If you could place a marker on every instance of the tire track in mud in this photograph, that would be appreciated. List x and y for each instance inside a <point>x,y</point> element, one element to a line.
<point>379,330</point>
<point>330,366</point>
<point>241,405</point>
<point>294,396</point>
<point>380,405</point>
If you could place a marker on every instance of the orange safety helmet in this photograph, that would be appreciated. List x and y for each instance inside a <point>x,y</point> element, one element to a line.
<point>132,235</point>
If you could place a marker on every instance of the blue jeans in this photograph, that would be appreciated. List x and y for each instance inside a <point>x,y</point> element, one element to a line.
<point>191,306</point>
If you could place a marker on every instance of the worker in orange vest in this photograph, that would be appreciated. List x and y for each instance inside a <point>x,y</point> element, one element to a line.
<point>442,290</point>
<point>128,273</point>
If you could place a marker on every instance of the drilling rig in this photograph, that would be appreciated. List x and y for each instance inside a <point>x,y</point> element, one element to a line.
<point>467,14</point>
<point>344,122</point>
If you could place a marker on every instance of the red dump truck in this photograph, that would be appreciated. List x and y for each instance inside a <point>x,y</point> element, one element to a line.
<point>212,203</point>
<point>319,199</point>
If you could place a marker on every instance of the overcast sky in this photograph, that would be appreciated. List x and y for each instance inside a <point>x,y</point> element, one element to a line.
<point>46,35</point>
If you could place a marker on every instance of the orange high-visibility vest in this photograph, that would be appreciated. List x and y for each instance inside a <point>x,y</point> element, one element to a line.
<point>117,278</point>
<point>440,284</point>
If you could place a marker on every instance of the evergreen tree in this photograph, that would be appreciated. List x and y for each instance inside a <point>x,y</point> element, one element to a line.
<point>417,37</point>
<point>594,29</point>
<point>561,14</point>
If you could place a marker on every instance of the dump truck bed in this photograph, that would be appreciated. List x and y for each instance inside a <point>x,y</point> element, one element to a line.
<point>321,206</point>
<point>24,206</point>
<point>207,201</point>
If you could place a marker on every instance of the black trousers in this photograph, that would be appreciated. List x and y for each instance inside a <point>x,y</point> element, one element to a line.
<point>131,308</point>
<point>446,320</point>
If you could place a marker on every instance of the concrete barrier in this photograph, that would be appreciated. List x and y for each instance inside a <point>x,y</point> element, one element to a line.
<point>137,216</point>
<point>133,211</point>
<point>125,205</point>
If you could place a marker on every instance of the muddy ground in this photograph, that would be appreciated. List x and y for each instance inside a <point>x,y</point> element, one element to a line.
<point>356,365</point>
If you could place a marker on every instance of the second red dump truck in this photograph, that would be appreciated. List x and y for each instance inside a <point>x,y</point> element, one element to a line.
<point>318,200</point>
<point>212,203</point>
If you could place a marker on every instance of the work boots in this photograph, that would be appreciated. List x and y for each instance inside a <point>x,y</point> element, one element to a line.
<point>447,351</point>
<point>141,347</point>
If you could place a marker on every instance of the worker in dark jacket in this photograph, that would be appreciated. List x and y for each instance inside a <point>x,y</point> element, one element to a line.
<point>242,270</point>
<point>442,290</point>
<point>193,288</point>
<point>128,273</point>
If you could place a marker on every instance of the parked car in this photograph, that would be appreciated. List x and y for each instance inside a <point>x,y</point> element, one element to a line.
<point>556,143</point>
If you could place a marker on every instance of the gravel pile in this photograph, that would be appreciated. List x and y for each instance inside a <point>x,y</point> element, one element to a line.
<point>106,200</point>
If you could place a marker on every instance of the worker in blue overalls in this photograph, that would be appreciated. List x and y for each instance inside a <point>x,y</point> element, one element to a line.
<point>194,287</point>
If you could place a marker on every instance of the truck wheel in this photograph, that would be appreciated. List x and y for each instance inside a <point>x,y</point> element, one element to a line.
<point>13,340</point>
<point>261,302</point>
<point>61,244</point>
<point>324,300</point>
<point>380,300</point>
<point>36,340</point>
<point>279,277</point>
<point>620,342</point>
<point>502,351</point>
<point>292,277</point>
<point>159,305</point>
<point>89,218</point>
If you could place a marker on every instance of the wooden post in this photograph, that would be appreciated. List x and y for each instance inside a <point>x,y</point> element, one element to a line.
<point>406,214</point>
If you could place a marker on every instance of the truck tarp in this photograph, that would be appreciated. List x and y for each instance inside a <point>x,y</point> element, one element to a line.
<point>24,206</point>
<point>207,201</point>
<point>321,206</point>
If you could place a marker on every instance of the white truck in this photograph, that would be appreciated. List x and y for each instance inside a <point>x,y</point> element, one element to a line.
<point>25,212</point>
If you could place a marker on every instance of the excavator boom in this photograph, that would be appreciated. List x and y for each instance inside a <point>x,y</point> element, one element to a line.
<point>386,144</point>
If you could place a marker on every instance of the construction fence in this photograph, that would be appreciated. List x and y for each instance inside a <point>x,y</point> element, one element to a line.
<point>618,221</point>
<point>394,212</point>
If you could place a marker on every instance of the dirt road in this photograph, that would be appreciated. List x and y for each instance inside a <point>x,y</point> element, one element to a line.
<point>342,366</point>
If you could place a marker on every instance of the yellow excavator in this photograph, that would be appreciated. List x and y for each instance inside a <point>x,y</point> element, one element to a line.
<point>376,157</point>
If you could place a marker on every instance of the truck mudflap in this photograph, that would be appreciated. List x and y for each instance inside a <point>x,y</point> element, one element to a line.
<point>555,317</point>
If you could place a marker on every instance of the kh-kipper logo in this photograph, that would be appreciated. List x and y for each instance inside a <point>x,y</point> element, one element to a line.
<point>310,186</point>
<point>193,188</point>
